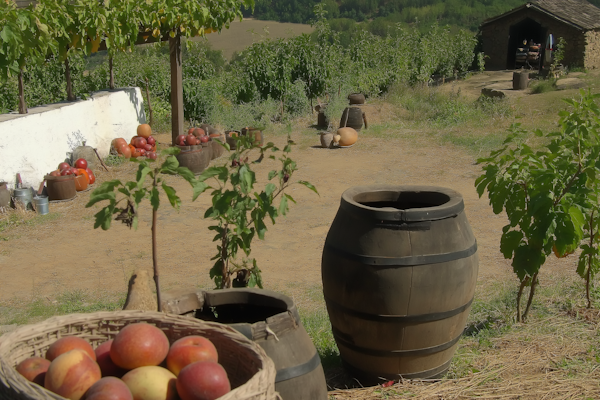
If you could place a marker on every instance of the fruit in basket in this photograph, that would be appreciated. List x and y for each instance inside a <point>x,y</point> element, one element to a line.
<point>63,165</point>
<point>144,130</point>
<point>34,369</point>
<point>81,163</point>
<point>81,182</point>
<point>71,374</point>
<point>109,388</point>
<point>204,139</point>
<point>69,343</point>
<point>151,383</point>
<point>91,176</point>
<point>151,141</point>
<point>190,140</point>
<point>198,132</point>
<point>139,345</point>
<point>204,380</point>
<point>54,173</point>
<point>139,142</point>
<point>180,140</point>
<point>190,349</point>
<point>66,171</point>
<point>107,366</point>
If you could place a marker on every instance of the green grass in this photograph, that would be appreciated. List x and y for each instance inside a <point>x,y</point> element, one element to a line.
<point>543,86</point>
<point>39,309</point>
<point>15,218</point>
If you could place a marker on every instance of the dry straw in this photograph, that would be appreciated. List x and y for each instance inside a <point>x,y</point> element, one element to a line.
<point>550,359</point>
<point>250,370</point>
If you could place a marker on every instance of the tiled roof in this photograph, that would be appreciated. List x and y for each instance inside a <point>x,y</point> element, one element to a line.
<point>578,13</point>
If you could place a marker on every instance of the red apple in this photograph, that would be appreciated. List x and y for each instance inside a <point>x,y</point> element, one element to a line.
<point>180,140</point>
<point>204,139</point>
<point>148,147</point>
<point>34,369</point>
<point>69,343</point>
<point>151,383</point>
<point>81,163</point>
<point>191,131</point>
<point>55,173</point>
<point>204,380</point>
<point>151,141</point>
<point>190,140</point>
<point>109,388</point>
<point>91,176</point>
<point>190,349</point>
<point>151,155</point>
<point>107,366</point>
<point>66,171</point>
<point>63,165</point>
<point>199,132</point>
<point>139,345</point>
<point>71,374</point>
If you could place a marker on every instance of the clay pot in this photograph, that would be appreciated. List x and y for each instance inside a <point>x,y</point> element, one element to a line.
<point>4,195</point>
<point>326,139</point>
<point>216,140</point>
<point>81,183</point>
<point>356,98</point>
<point>349,136</point>
<point>255,133</point>
<point>229,137</point>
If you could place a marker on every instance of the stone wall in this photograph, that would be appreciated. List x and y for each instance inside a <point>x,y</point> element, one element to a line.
<point>592,50</point>
<point>495,38</point>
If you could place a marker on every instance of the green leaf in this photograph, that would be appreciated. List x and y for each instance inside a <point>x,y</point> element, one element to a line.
<point>170,151</point>
<point>283,206</point>
<point>95,198</point>
<point>104,217</point>
<point>527,261</point>
<point>198,189</point>
<point>141,175</point>
<point>578,220</point>
<point>170,165</point>
<point>221,172</point>
<point>270,189</point>
<point>309,185</point>
<point>186,174</point>
<point>106,187</point>
<point>154,198</point>
<point>138,196</point>
<point>172,196</point>
<point>509,242</point>
<point>261,228</point>
<point>290,198</point>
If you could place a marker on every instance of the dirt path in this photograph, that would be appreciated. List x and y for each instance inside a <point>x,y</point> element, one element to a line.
<point>68,254</point>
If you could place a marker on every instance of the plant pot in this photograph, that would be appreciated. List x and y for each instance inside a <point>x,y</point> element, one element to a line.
<point>229,138</point>
<point>249,369</point>
<point>254,133</point>
<point>196,159</point>
<point>60,187</point>
<point>269,319</point>
<point>356,98</point>
<point>399,270</point>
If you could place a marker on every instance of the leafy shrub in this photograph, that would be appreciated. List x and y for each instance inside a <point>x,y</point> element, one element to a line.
<point>543,86</point>
<point>296,102</point>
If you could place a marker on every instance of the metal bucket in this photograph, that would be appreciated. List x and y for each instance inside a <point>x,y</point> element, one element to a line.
<point>41,204</point>
<point>24,197</point>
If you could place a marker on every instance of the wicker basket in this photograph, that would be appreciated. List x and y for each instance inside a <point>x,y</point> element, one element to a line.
<point>250,371</point>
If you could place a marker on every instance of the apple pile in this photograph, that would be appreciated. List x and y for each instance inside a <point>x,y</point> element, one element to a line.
<point>137,364</point>
<point>195,136</point>
<point>80,167</point>
<point>141,145</point>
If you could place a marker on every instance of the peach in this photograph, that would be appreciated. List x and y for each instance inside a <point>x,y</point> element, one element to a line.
<point>204,380</point>
<point>107,366</point>
<point>139,345</point>
<point>151,383</point>
<point>190,349</point>
<point>71,374</point>
<point>34,369</point>
<point>109,388</point>
<point>68,343</point>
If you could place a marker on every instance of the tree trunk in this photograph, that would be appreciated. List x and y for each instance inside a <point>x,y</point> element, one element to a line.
<point>149,105</point>
<point>111,81</point>
<point>534,282</point>
<point>22,104</point>
<point>70,95</point>
<point>176,88</point>
<point>154,256</point>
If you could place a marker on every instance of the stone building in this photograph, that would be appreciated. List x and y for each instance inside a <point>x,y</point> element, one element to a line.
<point>576,21</point>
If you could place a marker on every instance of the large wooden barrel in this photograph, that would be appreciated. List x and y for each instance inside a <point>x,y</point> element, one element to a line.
<point>399,269</point>
<point>352,117</point>
<point>272,321</point>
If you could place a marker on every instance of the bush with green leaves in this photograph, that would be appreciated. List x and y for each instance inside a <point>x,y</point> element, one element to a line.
<point>239,209</point>
<point>550,196</point>
<point>148,183</point>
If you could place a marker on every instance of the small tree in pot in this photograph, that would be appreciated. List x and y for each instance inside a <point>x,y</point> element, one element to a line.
<point>239,211</point>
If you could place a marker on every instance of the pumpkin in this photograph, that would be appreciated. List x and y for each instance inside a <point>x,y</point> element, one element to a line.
<point>349,136</point>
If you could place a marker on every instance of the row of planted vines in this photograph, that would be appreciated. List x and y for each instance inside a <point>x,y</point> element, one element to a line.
<point>271,79</point>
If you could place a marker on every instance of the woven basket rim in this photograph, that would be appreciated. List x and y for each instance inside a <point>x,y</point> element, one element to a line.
<point>259,386</point>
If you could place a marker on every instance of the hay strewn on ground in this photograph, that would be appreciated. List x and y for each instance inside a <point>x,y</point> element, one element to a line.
<point>537,361</point>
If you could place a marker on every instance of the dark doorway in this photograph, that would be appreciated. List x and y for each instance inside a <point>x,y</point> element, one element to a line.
<point>527,29</point>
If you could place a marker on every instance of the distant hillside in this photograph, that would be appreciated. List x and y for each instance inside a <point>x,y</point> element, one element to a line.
<point>461,13</point>
<point>242,34</point>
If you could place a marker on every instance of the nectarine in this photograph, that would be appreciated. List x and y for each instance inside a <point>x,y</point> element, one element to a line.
<point>34,369</point>
<point>68,343</point>
<point>107,366</point>
<point>139,345</point>
<point>71,374</point>
<point>109,388</point>
<point>204,380</point>
<point>189,349</point>
<point>151,383</point>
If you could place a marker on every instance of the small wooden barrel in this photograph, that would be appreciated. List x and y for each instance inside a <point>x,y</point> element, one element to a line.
<point>195,159</point>
<point>255,133</point>
<point>60,187</point>
<point>216,141</point>
<point>520,80</point>
<point>352,117</point>
<point>399,270</point>
<point>269,319</point>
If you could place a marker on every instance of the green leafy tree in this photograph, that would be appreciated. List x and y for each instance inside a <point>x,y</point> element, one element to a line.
<point>146,186</point>
<point>550,196</point>
<point>240,210</point>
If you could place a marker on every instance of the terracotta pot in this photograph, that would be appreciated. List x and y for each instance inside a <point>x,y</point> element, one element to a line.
<point>81,183</point>
<point>326,139</point>
<point>255,133</point>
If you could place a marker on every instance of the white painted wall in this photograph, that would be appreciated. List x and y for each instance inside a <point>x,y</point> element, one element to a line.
<point>59,128</point>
